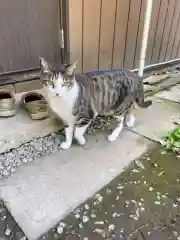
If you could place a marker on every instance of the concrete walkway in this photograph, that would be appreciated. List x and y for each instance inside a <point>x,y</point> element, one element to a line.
<point>41,193</point>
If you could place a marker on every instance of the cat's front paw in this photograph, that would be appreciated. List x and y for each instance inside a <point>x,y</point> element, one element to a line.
<point>65,145</point>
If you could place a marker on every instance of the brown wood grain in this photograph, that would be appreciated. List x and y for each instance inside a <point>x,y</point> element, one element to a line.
<point>91,28</point>
<point>139,37</point>
<point>132,34</point>
<point>176,40</point>
<point>167,29</point>
<point>120,32</point>
<point>159,31</point>
<point>107,33</point>
<point>152,30</point>
<point>173,31</point>
<point>29,29</point>
<point>75,32</point>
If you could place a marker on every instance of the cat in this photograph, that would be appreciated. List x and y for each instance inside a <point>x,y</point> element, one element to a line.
<point>78,99</point>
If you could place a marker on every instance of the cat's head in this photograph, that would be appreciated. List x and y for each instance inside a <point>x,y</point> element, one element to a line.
<point>59,83</point>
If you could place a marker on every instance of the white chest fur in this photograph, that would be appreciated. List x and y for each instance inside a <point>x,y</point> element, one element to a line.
<point>62,106</point>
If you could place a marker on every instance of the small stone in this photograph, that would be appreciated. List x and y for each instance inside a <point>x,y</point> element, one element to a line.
<point>77,216</point>
<point>98,230</point>
<point>81,225</point>
<point>60,229</point>
<point>161,173</point>
<point>85,219</point>
<point>120,186</point>
<point>117,198</point>
<point>111,227</point>
<point>157,202</point>
<point>99,223</point>
<point>151,189</point>
<point>175,205</point>
<point>135,170</point>
<point>86,206</point>
<point>108,190</point>
<point>99,197</point>
<point>7,232</point>
<point>93,215</point>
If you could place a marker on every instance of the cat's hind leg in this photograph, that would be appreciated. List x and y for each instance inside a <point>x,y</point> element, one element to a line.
<point>130,116</point>
<point>116,132</point>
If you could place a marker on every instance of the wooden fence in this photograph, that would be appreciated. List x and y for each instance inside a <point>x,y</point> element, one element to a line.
<point>107,34</point>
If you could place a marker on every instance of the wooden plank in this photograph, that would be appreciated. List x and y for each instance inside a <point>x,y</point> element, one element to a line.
<point>176,40</point>
<point>75,32</point>
<point>166,34</point>
<point>27,32</point>
<point>173,31</point>
<point>140,32</point>
<point>152,30</point>
<point>107,33</point>
<point>91,27</point>
<point>120,32</point>
<point>159,32</point>
<point>132,32</point>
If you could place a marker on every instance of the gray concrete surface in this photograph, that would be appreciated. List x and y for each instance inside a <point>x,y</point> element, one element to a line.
<point>42,193</point>
<point>156,119</point>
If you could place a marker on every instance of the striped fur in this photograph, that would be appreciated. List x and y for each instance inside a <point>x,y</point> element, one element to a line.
<point>113,93</point>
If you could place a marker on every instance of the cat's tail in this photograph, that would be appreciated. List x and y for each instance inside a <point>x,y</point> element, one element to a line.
<point>141,101</point>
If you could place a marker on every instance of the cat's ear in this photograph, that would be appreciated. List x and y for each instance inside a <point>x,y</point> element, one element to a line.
<point>46,68</point>
<point>71,68</point>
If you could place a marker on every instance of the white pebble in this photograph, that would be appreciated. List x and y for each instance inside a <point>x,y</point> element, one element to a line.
<point>175,205</point>
<point>151,189</point>
<point>77,216</point>
<point>111,227</point>
<point>8,232</point>
<point>86,206</point>
<point>85,219</point>
<point>60,229</point>
<point>93,215</point>
<point>157,202</point>
<point>81,225</point>
<point>135,170</point>
<point>99,223</point>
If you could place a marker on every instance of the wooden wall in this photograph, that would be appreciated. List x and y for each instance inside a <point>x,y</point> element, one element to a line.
<point>107,34</point>
<point>28,29</point>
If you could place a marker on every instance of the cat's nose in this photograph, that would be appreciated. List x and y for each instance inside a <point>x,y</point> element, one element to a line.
<point>57,94</point>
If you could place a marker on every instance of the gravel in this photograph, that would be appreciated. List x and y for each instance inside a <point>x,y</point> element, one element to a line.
<point>11,160</point>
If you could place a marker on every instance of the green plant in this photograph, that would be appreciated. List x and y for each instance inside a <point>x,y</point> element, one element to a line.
<point>171,139</point>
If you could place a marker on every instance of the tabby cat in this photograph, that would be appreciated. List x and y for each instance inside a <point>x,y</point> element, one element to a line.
<point>78,99</point>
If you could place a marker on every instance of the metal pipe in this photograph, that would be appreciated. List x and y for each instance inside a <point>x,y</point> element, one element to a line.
<point>147,21</point>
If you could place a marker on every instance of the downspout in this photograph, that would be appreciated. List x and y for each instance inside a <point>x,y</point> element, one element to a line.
<point>147,21</point>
